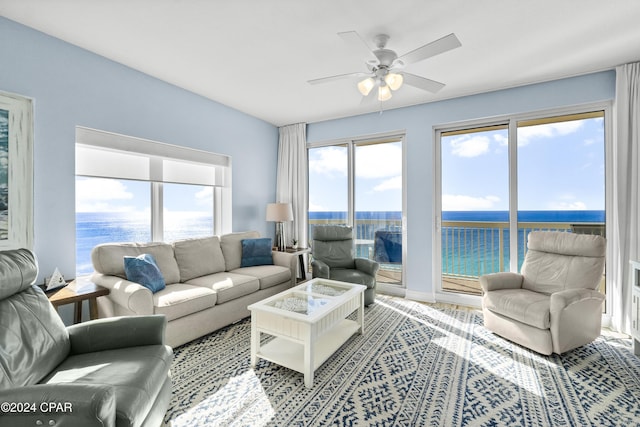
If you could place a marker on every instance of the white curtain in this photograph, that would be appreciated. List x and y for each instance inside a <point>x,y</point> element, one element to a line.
<point>626,203</point>
<point>292,180</point>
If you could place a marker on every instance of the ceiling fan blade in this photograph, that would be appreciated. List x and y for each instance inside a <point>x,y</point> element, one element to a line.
<point>357,44</point>
<point>422,83</point>
<point>338,77</point>
<point>434,48</point>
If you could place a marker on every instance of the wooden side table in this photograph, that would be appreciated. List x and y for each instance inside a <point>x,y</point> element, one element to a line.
<point>300,252</point>
<point>75,293</point>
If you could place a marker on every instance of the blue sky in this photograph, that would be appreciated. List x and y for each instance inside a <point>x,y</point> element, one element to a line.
<point>560,167</point>
<point>378,169</point>
<point>110,195</point>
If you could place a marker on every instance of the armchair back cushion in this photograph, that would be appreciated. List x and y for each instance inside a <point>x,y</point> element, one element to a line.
<point>108,258</point>
<point>334,246</point>
<point>557,261</point>
<point>26,316</point>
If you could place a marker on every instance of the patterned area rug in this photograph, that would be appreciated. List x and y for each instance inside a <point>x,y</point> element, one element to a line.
<point>416,365</point>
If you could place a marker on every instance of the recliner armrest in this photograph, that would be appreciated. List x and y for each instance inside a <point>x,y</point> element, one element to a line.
<point>117,332</point>
<point>67,404</point>
<point>320,269</point>
<point>369,266</point>
<point>563,299</point>
<point>502,280</point>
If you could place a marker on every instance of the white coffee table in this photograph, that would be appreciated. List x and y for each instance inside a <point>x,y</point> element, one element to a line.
<point>309,322</point>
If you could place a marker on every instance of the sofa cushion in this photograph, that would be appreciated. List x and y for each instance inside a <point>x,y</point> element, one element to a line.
<point>227,285</point>
<point>107,258</point>
<point>198,257</point>
<point>256,252</point>
<point>267,275</point>
<point>179,300</point>
<point>531,308</point>
<point>144,270</point>
<point>231,245</point>
<point>136,381</point>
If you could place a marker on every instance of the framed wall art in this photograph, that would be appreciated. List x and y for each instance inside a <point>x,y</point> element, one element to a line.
<point>16,172</point>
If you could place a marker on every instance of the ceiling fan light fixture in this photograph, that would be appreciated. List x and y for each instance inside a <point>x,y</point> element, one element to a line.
<point>394,81</point>
<point>366,85</point>
<point>384,93</point>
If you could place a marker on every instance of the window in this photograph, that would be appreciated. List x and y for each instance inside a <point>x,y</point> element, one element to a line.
<point>360,183</point>
<point>135,190</point>
<point>508,178</point>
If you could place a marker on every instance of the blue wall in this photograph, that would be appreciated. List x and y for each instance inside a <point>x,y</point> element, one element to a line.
<point>73,87</point>
<point>418,123</point>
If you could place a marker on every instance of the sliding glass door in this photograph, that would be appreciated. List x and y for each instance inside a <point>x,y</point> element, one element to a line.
<point>360,183</point>
<point>475,205</point>
<point>507,179</point>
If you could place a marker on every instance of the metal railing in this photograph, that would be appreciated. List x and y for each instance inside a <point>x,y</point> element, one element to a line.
<point>469,248</point>
<point>473,248</point>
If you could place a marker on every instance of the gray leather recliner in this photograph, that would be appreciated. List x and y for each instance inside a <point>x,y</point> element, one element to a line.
<point>105,372</point>
<point>334,258</point>
<point>553,305</point>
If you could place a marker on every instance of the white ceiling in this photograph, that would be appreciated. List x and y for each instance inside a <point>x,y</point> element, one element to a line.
<point>257,55</point>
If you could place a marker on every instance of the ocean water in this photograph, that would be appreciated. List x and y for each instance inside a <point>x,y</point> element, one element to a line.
<point>466,250</point>
<point>93,228</point>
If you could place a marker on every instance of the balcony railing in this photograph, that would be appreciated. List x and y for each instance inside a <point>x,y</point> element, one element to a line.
<point>469,248</point>
<point>473,248</point>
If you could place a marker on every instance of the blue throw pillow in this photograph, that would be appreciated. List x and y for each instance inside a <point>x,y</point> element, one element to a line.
<point>144,270</point>
<point>256,252</point>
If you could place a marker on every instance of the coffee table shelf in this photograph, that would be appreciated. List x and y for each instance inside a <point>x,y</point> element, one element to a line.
<point>309,323</point>
<point>290,354</point>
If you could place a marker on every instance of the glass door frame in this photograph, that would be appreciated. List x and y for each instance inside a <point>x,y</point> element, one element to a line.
<point>351,144</point>
<point>512,122</point>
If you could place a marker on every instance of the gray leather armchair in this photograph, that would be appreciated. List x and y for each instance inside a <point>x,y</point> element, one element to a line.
<point>334,258</point>
<point>553,305</point>
<point>107,372</point>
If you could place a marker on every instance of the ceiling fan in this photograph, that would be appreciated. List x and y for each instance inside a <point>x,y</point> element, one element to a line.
<point>384,65</point>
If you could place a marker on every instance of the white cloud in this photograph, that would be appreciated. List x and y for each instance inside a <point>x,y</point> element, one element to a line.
<point>372,161</point>
<point>329,161</point>
<point>394,183</point>
<point>528,133</point>
<point>94,195</point>
<point>458,202</point>
<point>204,197</point>
<point>470,146</point>
<point>378,161</point>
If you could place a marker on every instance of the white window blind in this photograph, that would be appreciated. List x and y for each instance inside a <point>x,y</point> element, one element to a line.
<point>109,155</point>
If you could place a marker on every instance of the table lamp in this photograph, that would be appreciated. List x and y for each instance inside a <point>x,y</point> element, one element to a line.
<point>279,213</point>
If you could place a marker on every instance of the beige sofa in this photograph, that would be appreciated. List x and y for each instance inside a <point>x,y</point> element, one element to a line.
<point>206,287</point>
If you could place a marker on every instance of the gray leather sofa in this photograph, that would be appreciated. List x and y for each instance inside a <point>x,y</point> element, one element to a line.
<point>206,287</point>
<point>105,372</point>
<point>553,306</point>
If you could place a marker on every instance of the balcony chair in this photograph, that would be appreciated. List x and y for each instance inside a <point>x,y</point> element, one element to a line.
<point>103,372</point>
<point>387,246</point>
<point>333,251</point>
<point>553,305</point>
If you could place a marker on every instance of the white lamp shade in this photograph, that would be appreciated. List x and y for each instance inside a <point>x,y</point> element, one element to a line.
<point>279,212</point>
<point>384,93</point>
<point>393,80</point>
<point>366,85</point>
